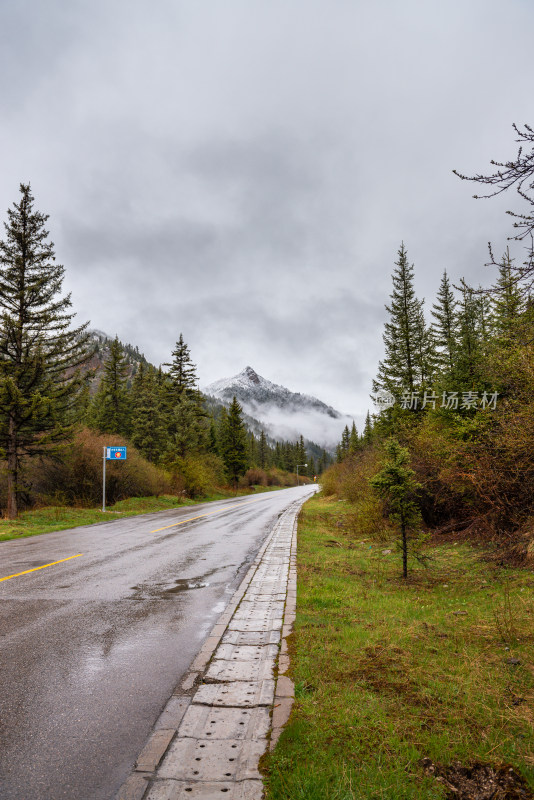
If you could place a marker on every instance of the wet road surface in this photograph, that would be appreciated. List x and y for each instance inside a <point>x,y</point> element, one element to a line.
<point>91,648</point>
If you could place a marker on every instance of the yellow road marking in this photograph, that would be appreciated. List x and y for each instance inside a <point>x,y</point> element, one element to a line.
<point>208,514</point>
<point>174,525</point>
<point>61,560</point>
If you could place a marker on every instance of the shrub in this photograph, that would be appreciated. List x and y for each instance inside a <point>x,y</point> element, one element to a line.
<point>254,477</point>
<point>200,474</point>
<point>350,481</point>
<point>77,477</point>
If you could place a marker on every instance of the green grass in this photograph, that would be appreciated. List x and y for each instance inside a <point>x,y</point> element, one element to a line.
<point>58,518</point>
<point>389,672</point>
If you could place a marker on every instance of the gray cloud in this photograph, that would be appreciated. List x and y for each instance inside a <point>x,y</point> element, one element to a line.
<point>245,171</point>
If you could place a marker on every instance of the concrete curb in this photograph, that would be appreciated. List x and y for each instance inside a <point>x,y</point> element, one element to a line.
<point>216,726</point>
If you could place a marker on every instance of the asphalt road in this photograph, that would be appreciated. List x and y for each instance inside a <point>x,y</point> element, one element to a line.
<point>91,648</point>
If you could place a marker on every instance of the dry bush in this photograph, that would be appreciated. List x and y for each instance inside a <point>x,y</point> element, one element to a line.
<point>254,477</point>
<point>350,481</point>
<point>77,477</point>
<point>481,469</point>
<point>331,479</point>
<point>277,477</point>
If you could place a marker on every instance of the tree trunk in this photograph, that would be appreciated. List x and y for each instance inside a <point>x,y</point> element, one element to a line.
<point>404,550</point>
<point>12,471</point>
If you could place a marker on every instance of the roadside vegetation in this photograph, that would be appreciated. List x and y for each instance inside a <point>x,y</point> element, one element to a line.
<point>417,688</point>
<point>455,388</point>
<point>413,651</point>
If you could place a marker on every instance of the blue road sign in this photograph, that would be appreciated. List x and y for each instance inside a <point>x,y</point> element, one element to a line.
<point>115,454</point>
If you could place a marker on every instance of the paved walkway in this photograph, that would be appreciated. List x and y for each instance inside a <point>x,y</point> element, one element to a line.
<point>210,737</point>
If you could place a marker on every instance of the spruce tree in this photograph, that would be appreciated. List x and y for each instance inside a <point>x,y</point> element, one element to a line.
<point>262,451</point>
<point>111,409</point>
<point>301,457</point>
<point>187,425</point>
<point>425,352</point>
<point>469,350</point>
<point>39,353</point>
<point>187,418</point>
<point>354,440</point>
<point>148,428</point>
<point>508,302</point>
<point>444,329</point>
<point>234,442</point>
<point>252,449</point>
<point>213,445</point>
<point>405,337</point>
<point>485,321</point>
<point>367,436</point>
<point>397,484</point>
<point>182,371</point>
<point>345,443</point>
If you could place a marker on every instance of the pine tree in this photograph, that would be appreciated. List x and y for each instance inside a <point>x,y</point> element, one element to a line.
<point>187,418</point>
<point>485,321</point>
<point>262,451</point>
<point>354,440</point>
<point>182,371</point>
<point>301,457</point>
<point>344,445</point>
<point>213,445</point>
<point>252,449</point>
<point>148,426</point>
<point>111,410</point>
<point>234,442</point>
<point>508,302</point>
<point>468,354</point>
<point>444,330</point>
<point>397,484</point>
<point>221,429</point>
<point>39,354</point>
<point>405,338</point>
<point>288,457</point>
<point>80,412</point>
<point>187,428</point>
<point>425,352</point>
<point>367,436</point>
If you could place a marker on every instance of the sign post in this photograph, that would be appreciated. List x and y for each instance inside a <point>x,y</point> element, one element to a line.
<point>110,454</point>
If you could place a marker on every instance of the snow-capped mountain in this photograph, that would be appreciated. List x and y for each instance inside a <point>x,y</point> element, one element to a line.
<point>285,414</point>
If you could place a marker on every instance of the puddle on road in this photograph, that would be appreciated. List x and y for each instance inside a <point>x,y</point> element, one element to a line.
<point>187,583</point>
<point>179,586</point>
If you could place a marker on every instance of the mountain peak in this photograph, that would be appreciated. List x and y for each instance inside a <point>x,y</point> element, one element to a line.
<point>283,414</point>
<point>251,374</point>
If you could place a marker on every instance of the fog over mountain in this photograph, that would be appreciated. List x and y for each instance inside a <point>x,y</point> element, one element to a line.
<point>285,414</point>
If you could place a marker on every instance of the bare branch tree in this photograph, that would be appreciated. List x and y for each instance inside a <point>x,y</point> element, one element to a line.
<point>519,174</point>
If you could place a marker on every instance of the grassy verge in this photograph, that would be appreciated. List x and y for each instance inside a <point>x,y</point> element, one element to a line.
<point>58,518</point>
<point>389,673</point>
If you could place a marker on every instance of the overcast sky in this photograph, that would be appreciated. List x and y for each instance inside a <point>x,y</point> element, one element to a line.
<point>243,171</point>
